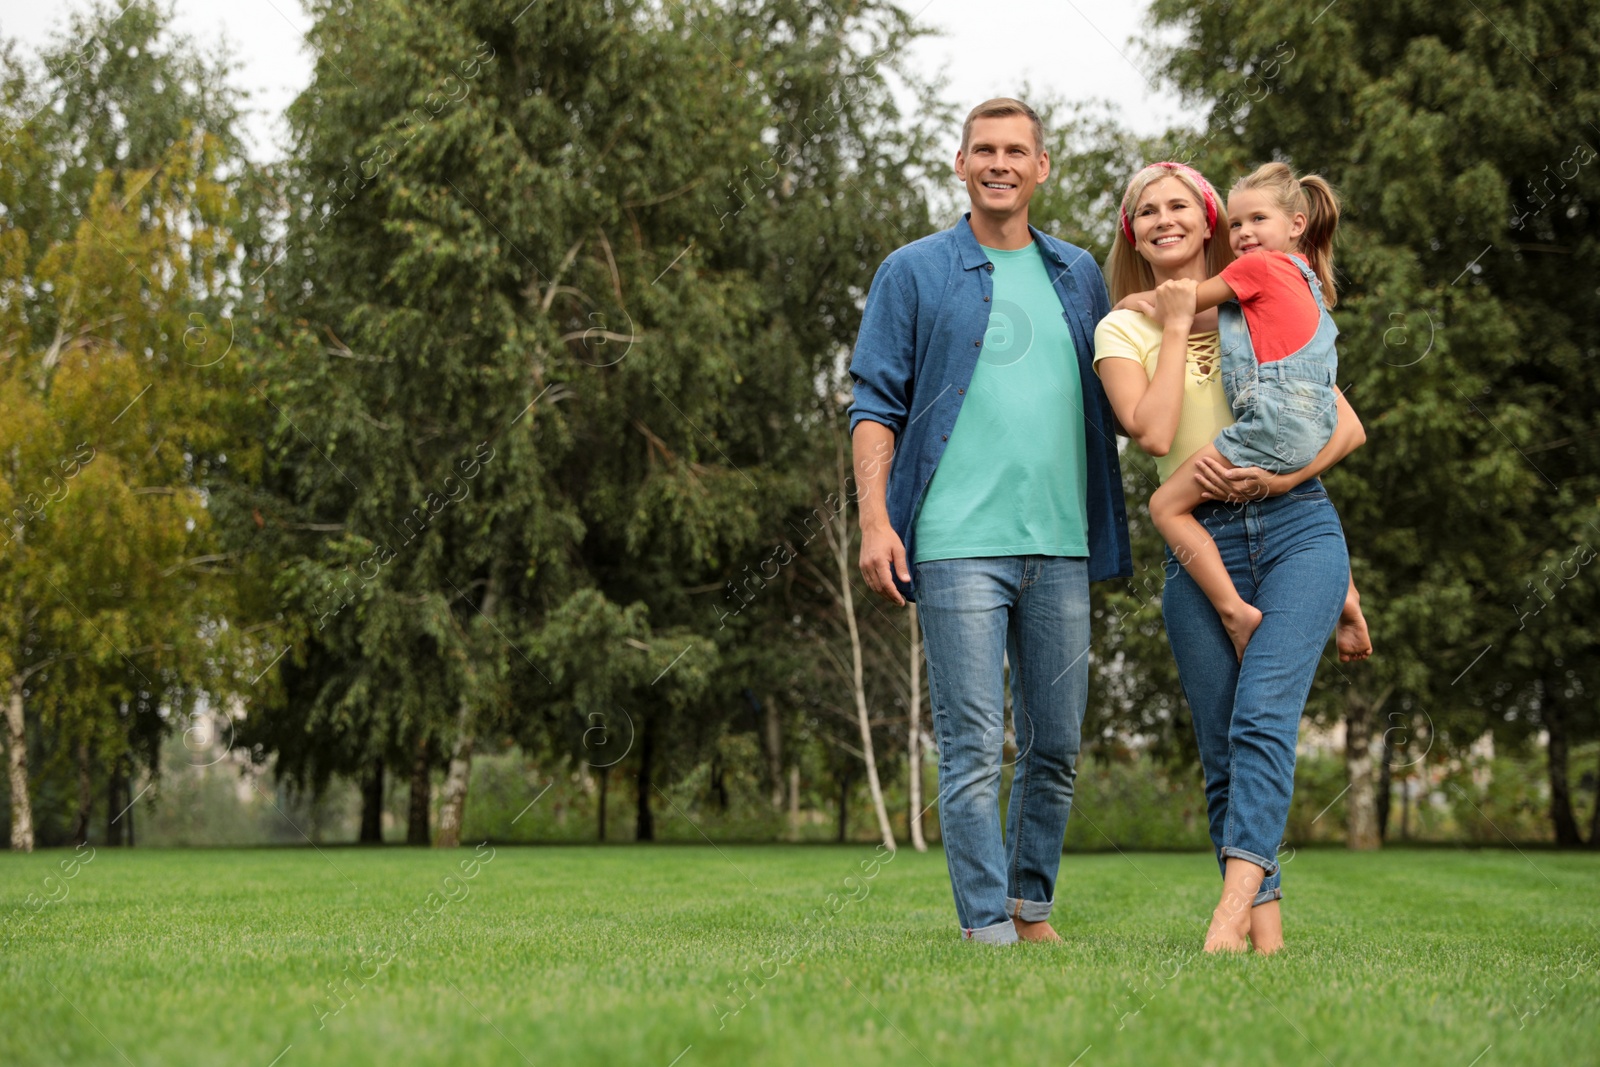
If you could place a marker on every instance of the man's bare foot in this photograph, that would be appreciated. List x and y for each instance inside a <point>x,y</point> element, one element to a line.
<point>1039,931</point>
<point>1351,634</point>
<point>1241,626</point>
<point>1266,928</point>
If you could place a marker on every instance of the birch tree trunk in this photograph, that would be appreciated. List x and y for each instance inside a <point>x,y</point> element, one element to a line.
<point>17,770</point>
<point>454,795</point>
<point>1361,801</point>
<point>841,552</point>
<point>914,736</point>
<point>453,800</point>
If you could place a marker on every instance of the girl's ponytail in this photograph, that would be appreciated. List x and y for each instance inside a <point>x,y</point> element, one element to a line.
<point>1322,218</point>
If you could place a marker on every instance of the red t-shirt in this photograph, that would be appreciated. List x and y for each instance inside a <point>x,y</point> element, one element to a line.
<point>1278,306</point>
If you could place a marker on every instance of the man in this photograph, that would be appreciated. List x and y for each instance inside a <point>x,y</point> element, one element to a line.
<point>990,493</point>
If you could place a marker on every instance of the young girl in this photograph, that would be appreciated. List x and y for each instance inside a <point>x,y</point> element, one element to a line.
<point>1278,363</point>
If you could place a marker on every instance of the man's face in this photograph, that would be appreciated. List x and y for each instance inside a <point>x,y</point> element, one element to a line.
<point>1002,165</point>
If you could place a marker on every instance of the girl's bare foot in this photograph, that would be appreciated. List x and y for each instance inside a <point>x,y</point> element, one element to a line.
<point>1266,928</point>
<point>1351,635</point>
<point>1039,931</point>
<point>1241,624</point>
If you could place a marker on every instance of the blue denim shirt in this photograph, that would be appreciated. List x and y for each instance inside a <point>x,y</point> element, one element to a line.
<point>921,336</point>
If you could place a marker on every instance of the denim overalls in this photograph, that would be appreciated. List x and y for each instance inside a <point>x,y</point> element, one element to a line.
<point>1284,410</point>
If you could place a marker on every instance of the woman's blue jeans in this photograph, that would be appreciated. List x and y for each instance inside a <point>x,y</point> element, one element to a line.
<point>1287,556</point>
<point>974,614</point>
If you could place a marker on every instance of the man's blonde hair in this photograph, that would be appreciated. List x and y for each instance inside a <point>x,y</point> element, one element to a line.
<point>1000,107</point>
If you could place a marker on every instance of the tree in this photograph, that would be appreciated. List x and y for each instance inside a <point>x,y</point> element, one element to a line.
<point>503,245</point>
<point>120,240</point>
<point>1463,152</point>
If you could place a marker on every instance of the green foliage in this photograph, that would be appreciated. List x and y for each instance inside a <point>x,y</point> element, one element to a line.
<point>618,247</point>
<point>121,239</point>
<point>1461,147</point>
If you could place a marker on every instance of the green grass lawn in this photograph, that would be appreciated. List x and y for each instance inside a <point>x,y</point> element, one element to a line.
<point>628,955</point>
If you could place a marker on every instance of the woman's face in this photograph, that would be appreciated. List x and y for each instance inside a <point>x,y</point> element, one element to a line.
<point>1169,225</point>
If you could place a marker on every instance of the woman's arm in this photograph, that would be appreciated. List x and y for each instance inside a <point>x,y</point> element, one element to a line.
<point>1148,407</point>
<point>1348,436</point>
<point>1252,483</point>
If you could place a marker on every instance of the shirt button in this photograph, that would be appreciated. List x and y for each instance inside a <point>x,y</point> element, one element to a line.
<point>944,437</point>
<point>977,344</point>
<point>985,300</point>
<point>961,392</point>
<point>989,267</point>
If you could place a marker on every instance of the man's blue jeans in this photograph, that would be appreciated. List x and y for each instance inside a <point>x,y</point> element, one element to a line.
<point>976,613</point>
<point>1287,557</point>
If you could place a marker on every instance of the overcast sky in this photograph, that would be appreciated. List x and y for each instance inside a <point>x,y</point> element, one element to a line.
<point>1073,49</point>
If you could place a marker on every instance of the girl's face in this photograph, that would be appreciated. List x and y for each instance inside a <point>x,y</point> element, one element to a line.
<point>1169,225</point>
<point>1255,221</point>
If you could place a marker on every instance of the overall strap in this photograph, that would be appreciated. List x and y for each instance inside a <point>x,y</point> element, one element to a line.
<point>1309,275</point>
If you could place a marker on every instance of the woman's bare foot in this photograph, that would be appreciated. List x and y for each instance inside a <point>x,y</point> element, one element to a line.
<point>1039,931</point>
<point>1241,625</point>
<point>1230,922</point>
<point>1227,932</point>
<point>1266,928</point>
<point>1351,634</point>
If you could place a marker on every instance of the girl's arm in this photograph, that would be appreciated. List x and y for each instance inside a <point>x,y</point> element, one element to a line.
<point>1252,483</point>
<point>1210,293</point>
<point>1148,407</point>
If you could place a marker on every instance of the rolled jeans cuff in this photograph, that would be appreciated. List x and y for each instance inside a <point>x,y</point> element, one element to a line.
<point>1029,911</point>
<point>1002,933</point>
<point>1267,896</point>
<point>1229,852</point>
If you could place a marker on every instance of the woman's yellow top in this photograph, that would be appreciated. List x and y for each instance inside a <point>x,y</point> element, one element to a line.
<point>1133,335</point>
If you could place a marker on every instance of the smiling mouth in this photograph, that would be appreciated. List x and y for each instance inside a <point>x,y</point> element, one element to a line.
<point>998,185</point>
<point>1167,240</point>
<point>1249,247</point>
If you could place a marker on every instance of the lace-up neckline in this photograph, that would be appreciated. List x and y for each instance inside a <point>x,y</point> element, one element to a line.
<point>1204,354</point>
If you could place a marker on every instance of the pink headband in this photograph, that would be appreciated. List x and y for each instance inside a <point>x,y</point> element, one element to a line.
<point>1208,194</point>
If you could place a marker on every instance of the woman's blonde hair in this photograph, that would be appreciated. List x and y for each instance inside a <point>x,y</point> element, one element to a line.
<point>1128,270</point>
<point>1312,197</point>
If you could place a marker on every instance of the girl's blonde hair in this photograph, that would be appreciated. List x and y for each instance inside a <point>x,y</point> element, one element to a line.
<point>1128,270</point>
<point>1312,197</point>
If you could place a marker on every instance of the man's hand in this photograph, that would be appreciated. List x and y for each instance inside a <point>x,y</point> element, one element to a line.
<point>883,555</point>
<point>1232,485</point>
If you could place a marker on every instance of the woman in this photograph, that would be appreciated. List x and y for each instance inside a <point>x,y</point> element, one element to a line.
<point>1284,548</point>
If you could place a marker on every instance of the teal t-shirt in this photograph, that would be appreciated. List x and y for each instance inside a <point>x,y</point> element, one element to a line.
<point>1011,481</point>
